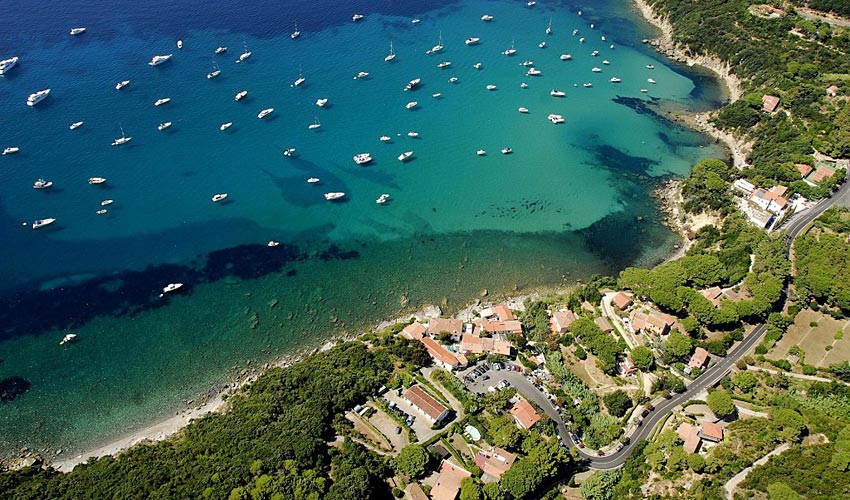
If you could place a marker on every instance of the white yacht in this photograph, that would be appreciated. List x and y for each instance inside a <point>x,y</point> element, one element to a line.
<point>532,3</point>
<point>362,74</point>
<point>219,197</point>
<point>416,21</point>
<point>644,90</point>
<point>357,17</point>
<point>566,57</point>
<point>444,64</point>
<point>163,126</point>
<point>650,80</point>
<point>69,337</point>
<point>272,243</point>
<point>581,40</point>
<point>542,45</point>
<point>220,50</point>
<point>334,196</point>
<point>472,40</point>
<point>180,44</point>
<point>225,126</point>
<point>94,181</point>
<point>299,80</point>
<point>511,51</point>
<point>10,150</point>
<point>120,85</point>
<point>437,95</point>
<point>527,63</point>
<point>264,113</point>
<point>7,64</point>
<point>481,152</point>
<point>245,53</point>
<point>453,79</point>
<point>523,109</point>
<point>215,71</point>
<point>507,151</point>
<point>171,287</point>
<point>362,158</point>
<point>315,124</point>
<point>405,156</point>
<point>555,118</point>
<point>606,62</point>
<point>650,66</point>
<point>382,199</point>
<point>413,134</point>
<point>412,84</point>
<point>37,97</point>
<point>486,18</point>
<point>533,72</point>
<point>288,152</point>
<point>385,138</point>
<point>121,140</point>
<point>523,85</point>
<point>321,102</point>
<point>439,46</point>
<point>549,28</point>
<point>491,87</point>
<point>411,104</point>
<point>157,60</point>
<point>77,31</point>
<point>615,80</point>
<point>597,70</point>
<point>107,202</point>
<point>313,180</point>
<point>603,38</point>
<point>587,85</point>
<point>594,53</point>
<point>160,102</point>
<point>477,65</point>
<point>556,93</point>
<point>43,222</point>
<point>240,95</point>
<point>391,55</point>
<point>295,34</point>
<point>42,184</point>
<point>102,211</point>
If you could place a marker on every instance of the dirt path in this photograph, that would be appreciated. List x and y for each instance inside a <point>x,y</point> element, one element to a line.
<point>738,478</point>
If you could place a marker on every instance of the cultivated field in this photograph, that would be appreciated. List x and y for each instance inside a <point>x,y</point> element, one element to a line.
<point>815,341</point>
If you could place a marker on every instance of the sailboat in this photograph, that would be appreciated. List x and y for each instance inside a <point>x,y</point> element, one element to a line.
<point>549,28</point>
<point>315,124</point>
<point>511,51</point>
<point>245,54</point>
<point>439,46</point>
<point>123,139</point>
<point>215,72</point>
<point>391,55</point>
<point>295,34</point>
<point>300,79</point>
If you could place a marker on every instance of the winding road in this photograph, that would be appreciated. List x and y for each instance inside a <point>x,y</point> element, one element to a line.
<point>716,372</point>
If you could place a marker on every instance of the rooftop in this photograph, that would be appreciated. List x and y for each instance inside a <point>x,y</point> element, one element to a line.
<point>622,300</point>
<point>448,482</point>
<point>712,431</point>
<point>495,462</point>
<point>414,492</point>
<point>804,169</point>
<point>425,402</point>
<point>603,323</point>
<point>699,358</point>
<point>414,331</point>
<point>525,414</point>
<point>478,345</point>
<point>690,435</point>
<point>451,325</point>
<point>439,353</point>
<point>769,103</point>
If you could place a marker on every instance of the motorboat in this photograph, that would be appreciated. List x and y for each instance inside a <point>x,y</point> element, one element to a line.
<point>77,31</point>
<point>533,72</point>
<point>507,151</point>
<point>542,45</point>
<point>549,28</point>
<point>606,62</point>
<point>160,102</point>
<point>225,126</point>
<point>472,40</point>
<point>411,104</point>
<point>382,199</point>
<point>180,44</point>
<point>437,95</point>
<point>43,222</point>
<point>391,55</point>
<point>650,80</point>
<point>42,184</point>
<point>412,84</point>
<point>10,150</point>
<point>523,85</point>
<point>575,32</point>
<point>581,40</point>
<point>557,93</point>
<point>240,95</point>
<point>415,21</point>
<point>37,97</point>
<point>313,180</point>
<point>214,73</point>
<point>95,181</point>
<point>523,110</point>
<point>597,70</point>
<point>594,53</point>
<point>272,243</point>
<point>220,50</point>
<point>385,138</point>
<point>315,124</point>
<point>102,211</point>
<point>122,140</point>
<point>491,87</point>
<point>650,66</point>
<point>295,34</point>
<point>334,196</point>
<point>566,57</point>
<point>532,3</point>
<point>587,85</point>
<point>362,74</point>
<point>163,126</point>
<point>362,158</point>
<point>120,85</point>
<point>300,78</point>
<point>106,203</point>
<point>481,152</point>
<point>68,338</point>
<point>7,64</point>
<point>555,118</point>
<point>511,51</point>
<point>644,90</point>
<point>357,17</point>
<point>477,65</point>
<point>405,156</point>
<point>615,80</point>
<point>453,79</point>
<point>527,63</point>
<point>245,53</point>
<point>444,64</point>
<point>157,60</point>
<point>171,287</point>
<point>288,152</point>
<point>486,18</point>
<point>321,102</point>
<point>264,113</point>
<point>603,38</point>
<point>413,134</point>
<point>219,197</point>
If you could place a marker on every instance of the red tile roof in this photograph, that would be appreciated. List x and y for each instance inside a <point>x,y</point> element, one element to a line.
<point>451,325</point>
<point>712,431</point>
<point>699,359</point>
<point>503,312</point>
<point>690,435</point>
<point>495,462</point>
<point>804,169</point>
<point>425,402</point>
<point>622,300</point>
<point>525,414</point>
<point>414,331</point>
<point>603,323</point>
<point>769,103</point>
<point>561,320</point>
<point>414,492</point>
<point>478,345</point>
<point>448,482</point>
<point>439,352</point>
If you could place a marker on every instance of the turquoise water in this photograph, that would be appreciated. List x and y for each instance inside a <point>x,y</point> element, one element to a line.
<point>572,199</point>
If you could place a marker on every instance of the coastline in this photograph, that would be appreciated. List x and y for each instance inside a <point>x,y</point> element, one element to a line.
<point>666,45</point>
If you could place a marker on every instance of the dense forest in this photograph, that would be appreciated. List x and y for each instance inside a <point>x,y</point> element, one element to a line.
<point>823,261</point>
<point>272,444</point>
<point>840,7</point>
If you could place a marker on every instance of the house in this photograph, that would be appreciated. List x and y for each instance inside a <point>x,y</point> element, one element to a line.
<point>745,187</point>
<point>524,414</point>
<point>804,169</point>
<point>769,103</point>
<point>561,321</point>
<point>429,407</point>
<point>821,174</point>
<point>711,432</point>
<point>602,322</point>
<point>832,91</point>
<point>699,359</point>
<point>414,331</point>
<point>713,294</point>
<point>498,325</point>
<point>494,463</point>
<point>622,300</point>
<point>452,325</point>
<point>442,357</point>
<point>414,492</point>
<point>690,435</point>
<point>626,367</point>
<point>771,199</point>
<point>654,322</point>
<point>485,345</point>
<point>448,482</point>
<point>502,312</point>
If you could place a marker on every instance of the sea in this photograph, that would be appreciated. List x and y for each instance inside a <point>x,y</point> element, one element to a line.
<point>572,200</point>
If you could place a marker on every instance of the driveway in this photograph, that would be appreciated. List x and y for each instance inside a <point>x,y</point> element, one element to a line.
<point>387,426</point>
<point>421,426</point>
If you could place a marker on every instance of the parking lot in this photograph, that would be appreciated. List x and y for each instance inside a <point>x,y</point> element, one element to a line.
<point>420,425</point>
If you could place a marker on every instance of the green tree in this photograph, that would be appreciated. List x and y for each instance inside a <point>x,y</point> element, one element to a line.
<point>493,491</point>
<point>642,358</point>
<point>720,402</point>
<point>789,423</point>
<point>696,462</point>
<point>617,402</point>
<point>745,381</point>
<point>412,461</point>
<point>781,491</point>
<point>471,489</point>
<point>677,345</point>
<point>600,486</point>
<point>504,432</point>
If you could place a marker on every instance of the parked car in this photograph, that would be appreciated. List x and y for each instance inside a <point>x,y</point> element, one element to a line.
<point>398,430</point>
<point>619,447</point>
